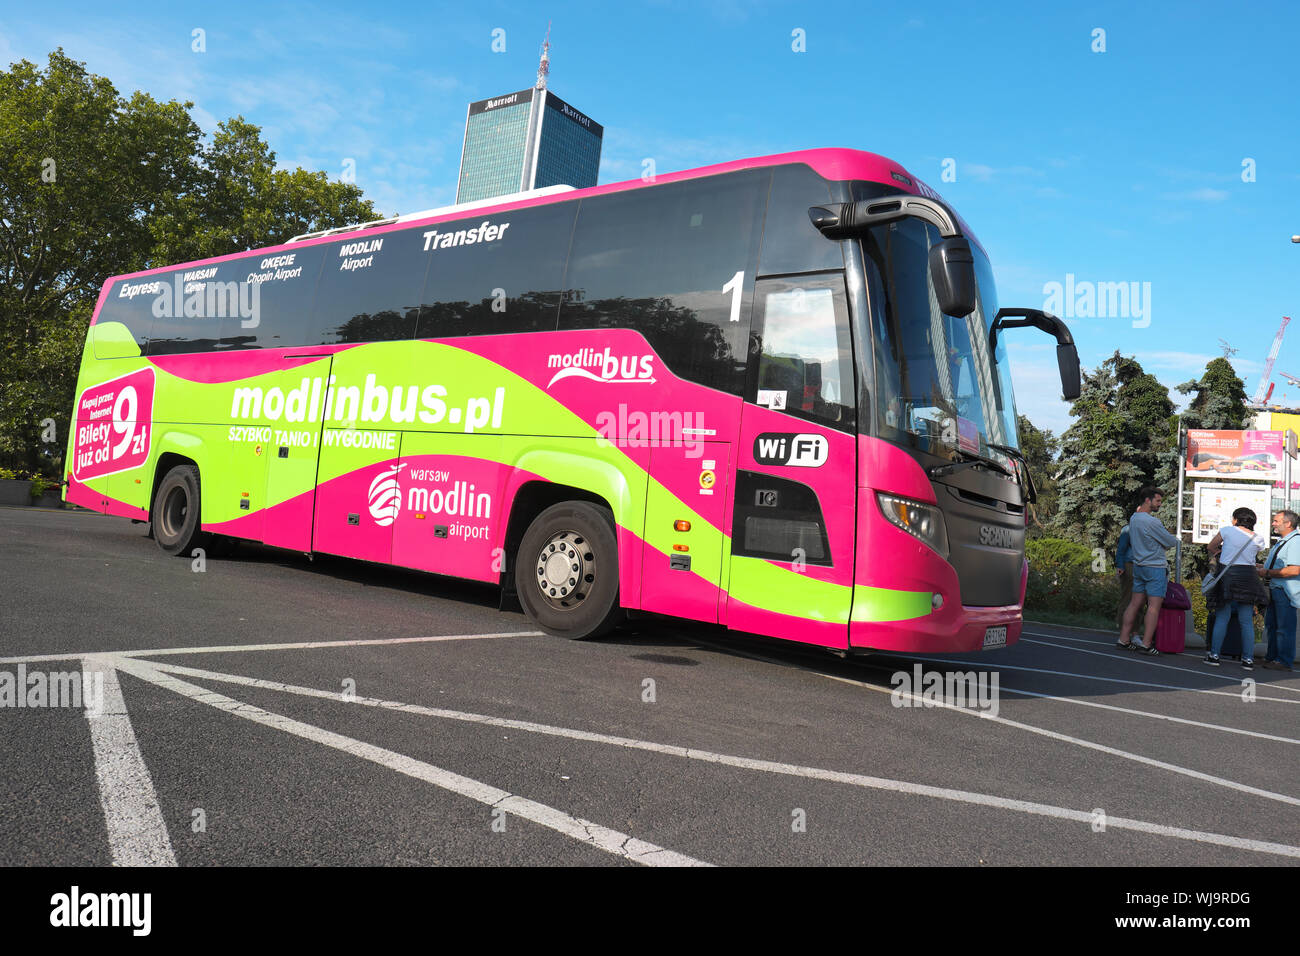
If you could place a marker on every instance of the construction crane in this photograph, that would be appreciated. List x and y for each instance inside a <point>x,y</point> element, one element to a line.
<point>1264,391</point>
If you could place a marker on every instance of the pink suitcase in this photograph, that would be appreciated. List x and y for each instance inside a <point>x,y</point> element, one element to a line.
<point>1169,631</point>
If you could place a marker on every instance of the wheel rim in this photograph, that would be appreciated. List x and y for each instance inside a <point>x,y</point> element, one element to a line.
<point>565,570</point>
<point>175,507</point>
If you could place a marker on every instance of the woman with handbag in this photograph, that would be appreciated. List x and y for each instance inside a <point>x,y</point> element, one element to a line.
<point>1234,589</point>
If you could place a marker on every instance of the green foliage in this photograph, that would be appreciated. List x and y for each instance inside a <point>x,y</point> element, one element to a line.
<point>8,474</point>
<point>1219,401</point>
<point>1061,578</point>
<point>1040,448</point>
<point>1124,437</point>
<point>94,184</point>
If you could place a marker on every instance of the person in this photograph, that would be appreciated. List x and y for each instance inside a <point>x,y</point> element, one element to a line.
<point>1148,542</point>
<point>1237,591</point>
<point>1123,571</point>
<point>1282,573</point>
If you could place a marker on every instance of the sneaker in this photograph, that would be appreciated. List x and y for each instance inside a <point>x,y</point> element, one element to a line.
<point>1248,665</point>
<point>1212,660</point>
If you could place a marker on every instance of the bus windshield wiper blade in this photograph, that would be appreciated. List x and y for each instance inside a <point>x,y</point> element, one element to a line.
<point>970,459</point>
<point>1031,490</point>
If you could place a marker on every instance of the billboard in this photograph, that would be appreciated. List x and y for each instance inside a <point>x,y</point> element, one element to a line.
<point>1250,455</point>
<point>1215,503</point>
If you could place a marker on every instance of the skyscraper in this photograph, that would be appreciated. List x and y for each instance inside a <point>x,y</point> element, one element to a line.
<point>527,140</point>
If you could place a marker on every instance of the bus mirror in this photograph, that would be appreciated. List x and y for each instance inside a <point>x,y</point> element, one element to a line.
<point>1067,357</point>
<point>952,270</point>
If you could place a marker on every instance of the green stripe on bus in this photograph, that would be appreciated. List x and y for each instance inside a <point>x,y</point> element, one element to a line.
<point>883,604</point>
<point>785,591</point>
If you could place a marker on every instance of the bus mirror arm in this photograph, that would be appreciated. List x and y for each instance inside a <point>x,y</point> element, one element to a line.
<point>847,219</point>
<point>952,266</point>
<point>1067,356</point>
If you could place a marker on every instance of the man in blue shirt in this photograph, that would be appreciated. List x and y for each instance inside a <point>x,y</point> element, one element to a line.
<point>1123,571</point>
<point>1148,541</point>
<point>1282,573</point>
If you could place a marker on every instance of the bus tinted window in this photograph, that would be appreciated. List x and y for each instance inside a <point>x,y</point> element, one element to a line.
<point>495,272</point>
<point>369,288</point>
<point>657,260</point>
<point>791,243</point>
<point>129,302</point>
<point>286,282</point>
<point>190,316</point>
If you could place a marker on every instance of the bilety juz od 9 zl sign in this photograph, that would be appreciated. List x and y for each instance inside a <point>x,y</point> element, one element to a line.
<point>770,394</point>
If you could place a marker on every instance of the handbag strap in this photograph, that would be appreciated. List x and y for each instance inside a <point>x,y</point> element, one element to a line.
<point>1249,539</point>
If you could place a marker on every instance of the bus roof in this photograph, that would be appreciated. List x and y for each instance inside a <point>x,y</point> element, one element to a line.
<point>836,164</point>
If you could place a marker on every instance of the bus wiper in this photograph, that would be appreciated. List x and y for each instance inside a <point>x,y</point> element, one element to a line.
<point>1031,490</point>
<point>970,459</point>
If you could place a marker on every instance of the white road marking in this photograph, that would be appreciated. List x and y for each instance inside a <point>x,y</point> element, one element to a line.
<point>235,648</point>
<point>1115,652</point>
<point>1127,755</point>
<point>768,766</point>
<point>137,833</point>
<point>592,834</point>
<point>1145,713</point>
<point>1110,680</point>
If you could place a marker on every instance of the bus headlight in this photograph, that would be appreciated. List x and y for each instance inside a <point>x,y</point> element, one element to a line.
<point>917,519</point>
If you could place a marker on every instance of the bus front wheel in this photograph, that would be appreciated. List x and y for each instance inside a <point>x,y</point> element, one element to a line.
<point>176,511</point>
<point>566,571</point>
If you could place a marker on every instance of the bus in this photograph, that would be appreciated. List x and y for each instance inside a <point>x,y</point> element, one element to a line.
<point>768,394</point>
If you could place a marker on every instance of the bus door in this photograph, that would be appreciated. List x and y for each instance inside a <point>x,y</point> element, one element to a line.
<point>682,557</point>
<point>792,532</point>
<point>293,453</point>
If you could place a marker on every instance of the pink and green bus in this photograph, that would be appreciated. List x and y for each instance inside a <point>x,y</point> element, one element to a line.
<point>767,395</point>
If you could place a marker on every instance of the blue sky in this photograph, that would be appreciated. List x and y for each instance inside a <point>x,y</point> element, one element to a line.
<point>1117,166</point>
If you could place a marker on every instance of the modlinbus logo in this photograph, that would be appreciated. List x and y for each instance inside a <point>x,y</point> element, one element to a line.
<point>602,367</point>
<point>385,497</point>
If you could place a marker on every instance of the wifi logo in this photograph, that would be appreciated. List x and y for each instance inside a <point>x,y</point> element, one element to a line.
<point>385,497</point>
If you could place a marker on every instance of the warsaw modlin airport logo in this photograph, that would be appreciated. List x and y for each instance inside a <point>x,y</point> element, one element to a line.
<point>385,496</point>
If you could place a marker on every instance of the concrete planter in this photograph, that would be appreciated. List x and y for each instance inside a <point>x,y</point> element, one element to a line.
<point>14,491</point>
<point>53,498</point>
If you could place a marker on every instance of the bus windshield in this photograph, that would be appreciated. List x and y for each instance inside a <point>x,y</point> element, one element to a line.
<point>938,387</point>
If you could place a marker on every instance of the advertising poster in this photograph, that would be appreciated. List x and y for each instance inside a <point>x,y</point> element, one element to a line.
<point>1249,455</point>
<point>1214,505</point>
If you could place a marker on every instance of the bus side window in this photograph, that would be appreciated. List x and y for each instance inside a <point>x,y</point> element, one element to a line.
<point>675,262</point>
<point>801,357</point>
<point>508,279</point>
<point>286,282</point>
<point>369,289</point>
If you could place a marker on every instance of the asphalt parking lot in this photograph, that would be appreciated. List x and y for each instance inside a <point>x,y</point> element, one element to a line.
<point>272,709</point>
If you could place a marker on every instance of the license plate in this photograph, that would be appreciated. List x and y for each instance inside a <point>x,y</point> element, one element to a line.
<point>995,637</point>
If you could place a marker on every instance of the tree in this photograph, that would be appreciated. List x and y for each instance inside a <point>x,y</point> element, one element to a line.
<point>1121,440</point>
<point>1219,401</point>
<point>1040,448</point>
<point>94,185</point>
<point>240,201</point>
<point>81,171</point>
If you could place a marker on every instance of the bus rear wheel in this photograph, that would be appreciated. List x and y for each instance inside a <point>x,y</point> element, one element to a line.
<point>566,571</point>
<point>175,514</point>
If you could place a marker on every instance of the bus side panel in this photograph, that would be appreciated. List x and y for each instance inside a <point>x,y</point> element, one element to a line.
<point>449,505</point>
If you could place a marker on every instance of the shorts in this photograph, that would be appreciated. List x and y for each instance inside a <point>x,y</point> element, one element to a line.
<point>1150,581</point>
